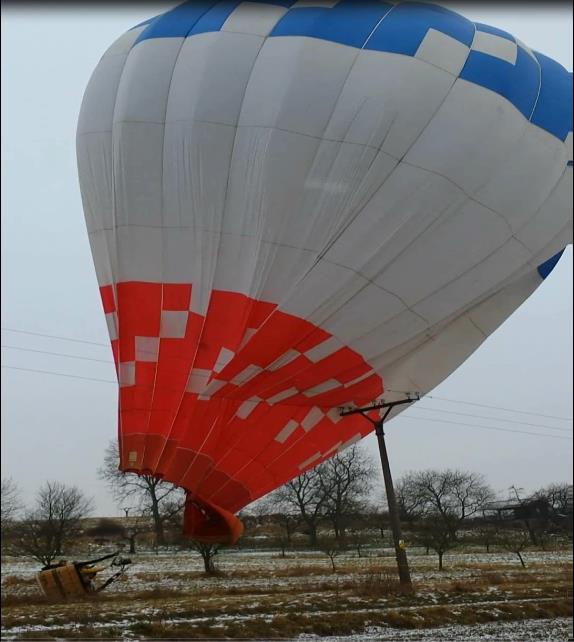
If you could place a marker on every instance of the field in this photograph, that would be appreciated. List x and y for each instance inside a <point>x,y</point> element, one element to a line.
<point>259,594</point>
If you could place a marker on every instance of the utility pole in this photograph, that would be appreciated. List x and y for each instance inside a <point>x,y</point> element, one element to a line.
<point>400,553</point>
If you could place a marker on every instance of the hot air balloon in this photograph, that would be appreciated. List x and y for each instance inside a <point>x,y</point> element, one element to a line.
<point>294,207</point>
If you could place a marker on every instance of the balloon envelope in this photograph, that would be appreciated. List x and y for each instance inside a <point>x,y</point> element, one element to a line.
<point>295,206</point>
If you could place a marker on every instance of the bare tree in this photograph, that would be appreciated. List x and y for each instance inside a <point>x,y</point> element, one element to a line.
<point>487,535</point>
<point>152,496</point>
<point>346,480</point>
<point>208,551</point>
<point>442,501</point>
<point>332,548</point>
<point>54,522</point>
<point>304,494</point>
<point>514,540</point>
<point>557,497</point>
<point>10,503</point>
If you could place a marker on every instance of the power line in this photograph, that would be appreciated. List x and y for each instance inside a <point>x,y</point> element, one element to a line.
<point>449,400</point>
<point>58,354</point>
<point>480,405</point>
<point>507,421</point>
<point>441,421</point>
<point>59,374</point>
<point>53,336</point>
<point>458,423</point>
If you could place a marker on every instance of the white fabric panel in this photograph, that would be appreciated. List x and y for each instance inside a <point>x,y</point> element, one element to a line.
<point>494,45</point>
<point>127,373</point>
<point>290,75</point>
<point>525,48</point>
<point>472,284</point>
<point>487,315</point>
<point>389,335</point>
<point>112,324</point>
<point>210,77</point>
<point>254,17</point>
<point>99,99</point>
<point>197,381</point>
<point>281,396</point>
<point>527,177</point>
<point>287,431</point>
<point>140,258</point>
<point>443,252</point>
<point>442,51</point>
<point>125,42</point>
<point>224,357</point>
<point>554,214</point>
<point>138,166</point>
<point>147,348</point>
<point>143,90</point>
<point>247,407</point>
<point>407,203</point>
<point>425,367</point>
<point>468,139</point>
<point>173,324</point>
<point>97,186</point>
<point>312,418</point>
<point>322,291</point>
<point>397,107</point>
<point>366,310</point>
<point>324,349</point>
<point>102,245</point>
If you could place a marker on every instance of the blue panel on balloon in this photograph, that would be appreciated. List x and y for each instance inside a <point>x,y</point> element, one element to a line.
<point>545,268</point>
<point>348,22</point>
<point>405,27</point>
<point>494,31</point>
<point>518,83</point>
<point>178,22</point>
<point>553,110</point>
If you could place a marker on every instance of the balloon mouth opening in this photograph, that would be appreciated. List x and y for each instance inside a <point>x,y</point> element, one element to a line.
<point>208,523</point>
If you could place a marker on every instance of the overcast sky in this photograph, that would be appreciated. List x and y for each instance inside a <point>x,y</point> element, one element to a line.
<point>57,427</point>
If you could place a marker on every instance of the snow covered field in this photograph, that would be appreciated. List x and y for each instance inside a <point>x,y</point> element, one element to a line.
<point>261,595</point>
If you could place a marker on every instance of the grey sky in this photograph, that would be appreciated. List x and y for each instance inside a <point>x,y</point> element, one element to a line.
<point>57,427</point>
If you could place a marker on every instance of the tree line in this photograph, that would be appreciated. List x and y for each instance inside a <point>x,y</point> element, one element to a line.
<point>334,506</point>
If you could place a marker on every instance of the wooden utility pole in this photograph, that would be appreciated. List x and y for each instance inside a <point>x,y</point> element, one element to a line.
<point>400,553</point>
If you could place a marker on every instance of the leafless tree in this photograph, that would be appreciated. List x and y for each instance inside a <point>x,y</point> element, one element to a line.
<point>304,494</point>
<point>208,551</point>
<point>514,540</point>
<point>346,480</point>
<point>10,503</point>
<point>332,548</point>
<point>442,501</point>
<point>159,500</point>
<point>487,535</point>
<point>53,523</point>
<point>557,497</point>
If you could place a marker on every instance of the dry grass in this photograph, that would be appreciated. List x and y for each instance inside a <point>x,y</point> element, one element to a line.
<point>362,593</point>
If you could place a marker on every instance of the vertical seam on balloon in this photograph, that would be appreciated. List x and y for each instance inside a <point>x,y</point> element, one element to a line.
<point>169,87</point>
<point>223,211</point>
<point>401,159</point>
<point>326,249</point>
<point>378,24</point>
<point>322,253</point>
<point>321,139</point>
<point>116,249</point>
<point>539,87</point>
<point>317,151</point>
